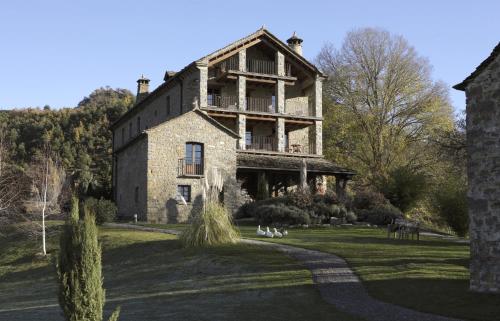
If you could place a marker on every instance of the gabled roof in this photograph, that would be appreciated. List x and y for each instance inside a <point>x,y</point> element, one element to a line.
<point>494,54</point>
<point>262,33</point>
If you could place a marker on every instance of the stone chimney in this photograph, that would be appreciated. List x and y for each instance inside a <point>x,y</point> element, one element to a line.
<point>295,43</point>
<point>142,88</point>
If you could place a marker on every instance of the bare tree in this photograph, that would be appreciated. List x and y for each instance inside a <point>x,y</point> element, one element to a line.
<point>47,178</point>
<point>3,147</point>
<point>386,92</point>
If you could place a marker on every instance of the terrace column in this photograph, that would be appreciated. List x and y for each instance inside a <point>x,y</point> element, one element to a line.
<point>242,124</point>
<point>280,84</point>
<point>280,134</point>
<point>317,109</point>
<point>316,138</point>
<point>241,84</point>
<point>203,81</point>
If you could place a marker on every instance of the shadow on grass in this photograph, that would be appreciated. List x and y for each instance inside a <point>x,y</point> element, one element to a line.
<point>439,296</point>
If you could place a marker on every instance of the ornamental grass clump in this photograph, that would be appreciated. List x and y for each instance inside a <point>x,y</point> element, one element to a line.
<point>213,224</point>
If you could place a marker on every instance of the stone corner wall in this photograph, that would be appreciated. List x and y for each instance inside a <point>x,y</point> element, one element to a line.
<point>483,170</point>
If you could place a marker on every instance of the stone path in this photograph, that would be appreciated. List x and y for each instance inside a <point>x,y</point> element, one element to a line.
<point>337,283</point>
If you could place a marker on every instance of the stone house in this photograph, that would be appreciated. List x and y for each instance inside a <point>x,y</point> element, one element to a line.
<point>482,89</point>
<point>252,109</point>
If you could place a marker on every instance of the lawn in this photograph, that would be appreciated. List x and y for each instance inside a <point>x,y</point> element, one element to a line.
<point>429,275</point>
<point>153,278</point>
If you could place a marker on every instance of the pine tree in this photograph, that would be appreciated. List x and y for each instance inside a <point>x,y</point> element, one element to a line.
<point>81,295</point>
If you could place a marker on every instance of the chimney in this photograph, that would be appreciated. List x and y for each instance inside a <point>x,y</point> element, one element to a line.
<point>142,88</point>
<point>295,43</point>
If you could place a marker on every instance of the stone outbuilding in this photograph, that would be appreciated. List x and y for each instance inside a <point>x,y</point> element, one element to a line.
<point>252,110</point>
<point>482,89</point>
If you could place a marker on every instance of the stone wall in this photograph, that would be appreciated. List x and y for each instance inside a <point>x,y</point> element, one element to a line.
<point>483,147</point>
<point>130,174</point>
<point>166,145</point>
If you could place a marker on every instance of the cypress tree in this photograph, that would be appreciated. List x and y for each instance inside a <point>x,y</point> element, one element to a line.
<point>81,295</point>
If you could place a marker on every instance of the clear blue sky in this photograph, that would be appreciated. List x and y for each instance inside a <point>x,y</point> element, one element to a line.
<point>57,52</point>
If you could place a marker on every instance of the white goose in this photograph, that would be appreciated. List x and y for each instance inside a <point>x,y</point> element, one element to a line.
<point>277,234</point>
<point>269,233</point>
<point>285,233</point>
<point>260,232</point>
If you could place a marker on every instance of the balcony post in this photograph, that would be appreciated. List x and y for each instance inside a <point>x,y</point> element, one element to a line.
<point>279,95</point>
<point>316,133</point>
<point>242,125</point>
<point>242,60</point>
<point>280,134</point>
<point>203,82</point>
<point>242,91</point>
<point>318,97</point>
<point>280,63</point>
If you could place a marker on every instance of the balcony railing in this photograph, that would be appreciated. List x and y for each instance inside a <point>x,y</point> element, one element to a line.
<point>190,168</point>
<point>225,102</point>
<point>261,66</point>
<point>262,143</point>
<point>260,104</point>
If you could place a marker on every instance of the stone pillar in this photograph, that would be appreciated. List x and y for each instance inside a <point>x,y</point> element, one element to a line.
<point>280,134</point>
<point>241,87</point>
<point>317,109</point>
<point>242,124</point>
<point>203,83</point>
<point>316,138</point>
<point>340,186</point>
<point>303,175</point>
<point>262,186</point>
<point>242,60</point>
<point>280,63</point>
<point>279,94</point>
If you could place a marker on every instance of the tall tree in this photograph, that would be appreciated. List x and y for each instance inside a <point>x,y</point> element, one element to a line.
<point>381,102</point>
<point>81,295</point>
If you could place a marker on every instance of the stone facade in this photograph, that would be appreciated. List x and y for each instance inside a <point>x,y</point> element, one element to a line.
<point>166,145</point>
<point>483,147</point>
<point>149,141</point>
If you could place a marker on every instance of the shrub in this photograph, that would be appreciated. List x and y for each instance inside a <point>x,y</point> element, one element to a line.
<point>404,187</point>
<point>450,202</point>
<point>351,217</point>
<point>105,210</point>
<point>379,215</point>
<point>300,198</point>
<point>211,226</point>
<point>281,214</point>
<point>367,199</point>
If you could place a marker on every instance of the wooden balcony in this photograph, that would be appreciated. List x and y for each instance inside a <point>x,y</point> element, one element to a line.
<point>223,102</point>
<point>257,66</point>
<point>269,144</point>
<point>189,168</point>
<point>262,143</point>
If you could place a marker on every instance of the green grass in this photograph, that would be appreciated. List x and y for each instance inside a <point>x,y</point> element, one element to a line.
<point>154,278</point>
<point>430,275</point>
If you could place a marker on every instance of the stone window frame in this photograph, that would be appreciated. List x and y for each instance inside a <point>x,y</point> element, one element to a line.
<point>185,191</point>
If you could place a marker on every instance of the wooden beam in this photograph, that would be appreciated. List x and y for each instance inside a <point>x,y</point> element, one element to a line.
<point>301,122</point>
<point>263,118</point>
<point>224,115</point>
<point>231,52</point>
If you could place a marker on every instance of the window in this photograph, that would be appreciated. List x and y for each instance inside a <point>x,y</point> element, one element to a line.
<point>168,105</point>
<point>123,135</point>
<point>138,125</point>
<point>213,97</point>
<point>130,130</point>
<point>193,159</point>
<point>194,153</point>
<point>185,191</point>
<point>136,194</point>
<point>273,101</point>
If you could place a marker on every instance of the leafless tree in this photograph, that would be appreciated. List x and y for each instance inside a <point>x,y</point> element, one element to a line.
<point>387,91</point>
<point>47,181</point>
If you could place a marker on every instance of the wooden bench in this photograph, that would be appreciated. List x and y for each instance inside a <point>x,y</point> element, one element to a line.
<point>403,229</point>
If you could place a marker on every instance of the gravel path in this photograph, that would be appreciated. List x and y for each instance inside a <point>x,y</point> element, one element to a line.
<point>337,283</point>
